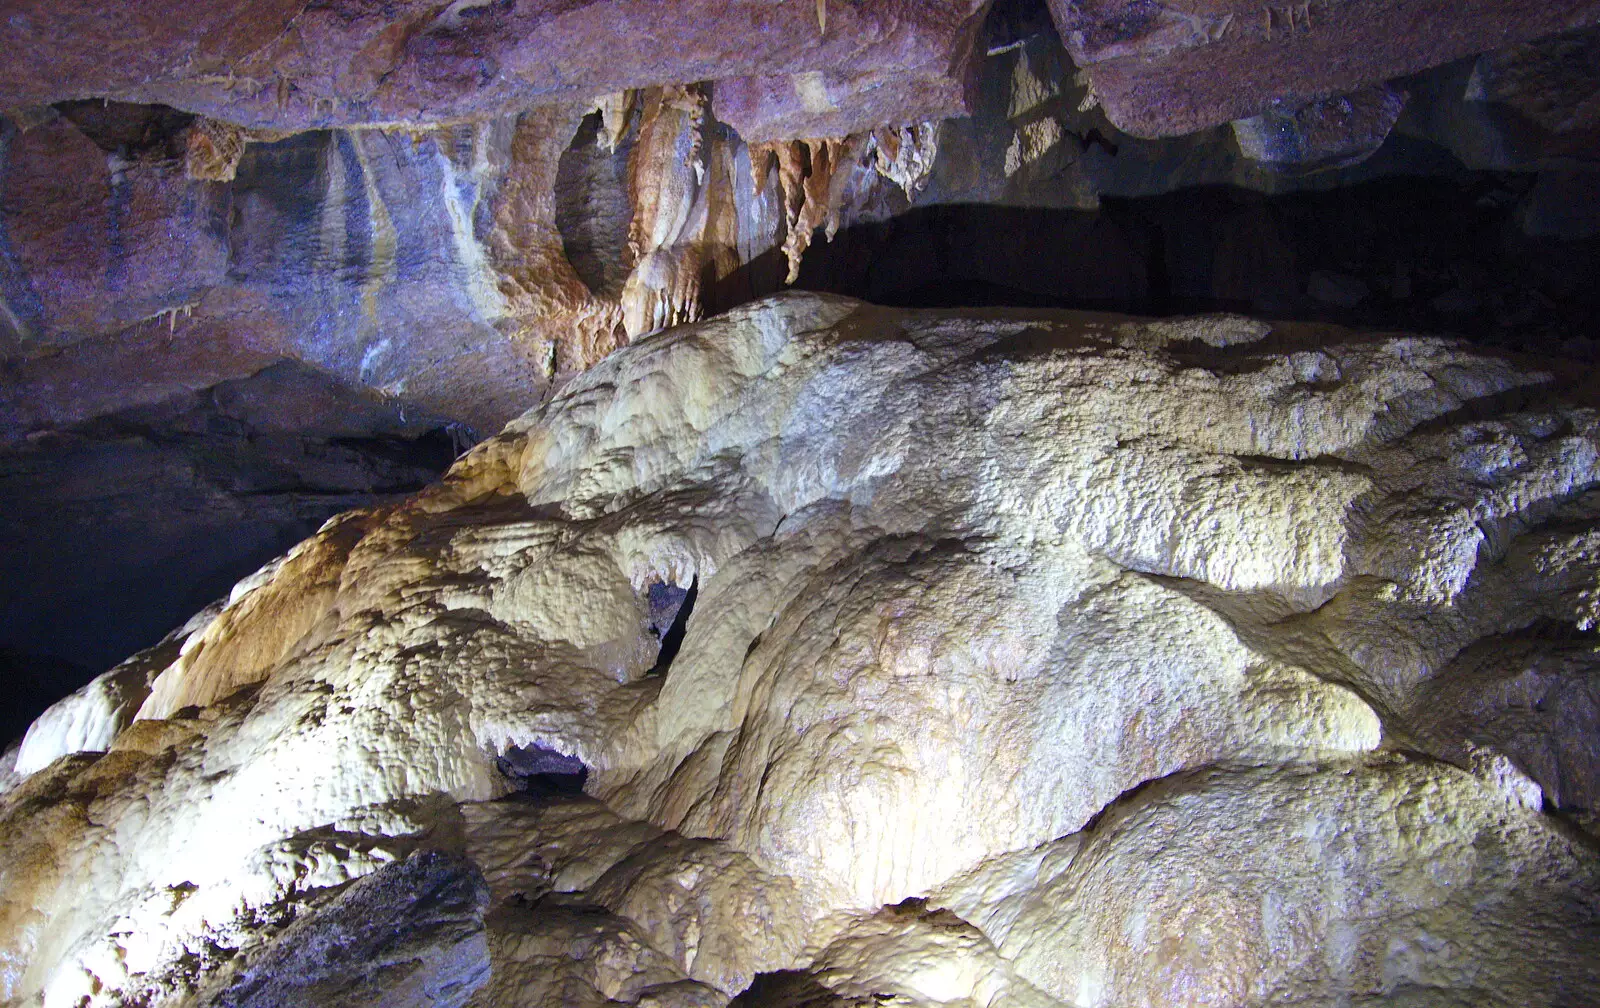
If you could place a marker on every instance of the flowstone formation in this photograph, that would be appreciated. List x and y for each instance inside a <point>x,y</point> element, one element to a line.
<point>822,653</point>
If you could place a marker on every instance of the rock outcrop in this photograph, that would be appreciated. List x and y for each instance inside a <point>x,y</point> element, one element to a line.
<point>1165,69</point>
<point>929,658</point>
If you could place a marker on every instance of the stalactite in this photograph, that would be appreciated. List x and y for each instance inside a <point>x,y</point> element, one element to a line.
<point>720,243</point>
<point>905,155</point>
<point>667,184</point>
<point>615,110</point>
<point>552,312</point>
<point>806,170</point>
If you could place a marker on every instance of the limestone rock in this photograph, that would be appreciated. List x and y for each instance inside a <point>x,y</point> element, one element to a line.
<point>1534,700</point>
<point>410,933</point>
<point>1332,133</point>
<point>104,238</point>
<point>1366,881</point>
<point>1013,658</point>
<point>292,67</point>
<point>213,150</point>
<point>1165,69</point>
<point>91,719</point>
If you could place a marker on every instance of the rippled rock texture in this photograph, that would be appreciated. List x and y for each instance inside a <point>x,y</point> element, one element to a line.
<point>825,653</point>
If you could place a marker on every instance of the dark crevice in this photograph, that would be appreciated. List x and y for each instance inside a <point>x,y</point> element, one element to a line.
<point>116,530</point>
<point>151,132</point>
<point>593,209</point>
<point>789,989</point>
<point>670,608</point>
<point>544,772</point>
<point>1122,800</point>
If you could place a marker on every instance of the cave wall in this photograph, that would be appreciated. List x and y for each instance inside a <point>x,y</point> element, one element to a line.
<point>1027,657</point>
<point>452,258</point>
<point>791,650</point>
<point>457,210</point>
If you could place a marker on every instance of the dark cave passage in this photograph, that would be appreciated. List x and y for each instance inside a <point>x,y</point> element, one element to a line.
<point>544,772</point>
<point>1426,254</point>
<point>116,531</point>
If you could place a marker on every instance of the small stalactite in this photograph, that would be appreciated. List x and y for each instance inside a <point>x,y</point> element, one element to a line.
<point>806,172</point>
<point>615,110</point>
<point>905,155</point>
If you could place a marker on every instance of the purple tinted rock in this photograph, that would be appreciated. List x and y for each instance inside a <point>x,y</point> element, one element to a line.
<point>1163,69</point>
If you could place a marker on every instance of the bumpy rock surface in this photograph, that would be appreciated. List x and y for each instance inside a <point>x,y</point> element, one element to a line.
<point>916,658</point>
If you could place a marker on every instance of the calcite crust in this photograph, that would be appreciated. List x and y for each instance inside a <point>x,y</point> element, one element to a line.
<point>1026,658</point>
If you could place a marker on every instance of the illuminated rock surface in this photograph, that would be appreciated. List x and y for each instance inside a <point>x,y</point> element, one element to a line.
<point>837,654</point>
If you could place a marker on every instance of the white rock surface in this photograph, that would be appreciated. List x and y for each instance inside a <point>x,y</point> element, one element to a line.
<point>1300,885</point>
<point>961,581</point>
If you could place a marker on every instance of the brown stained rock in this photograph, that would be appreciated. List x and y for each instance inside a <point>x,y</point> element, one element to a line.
<point>1168,69</point>
<point>287,64</point>
<point>212,150</point>
<point>549,309</point>
<point>667,188</point>
<point>103,240</point>
<point>807,171</point>
<point>272,612</point>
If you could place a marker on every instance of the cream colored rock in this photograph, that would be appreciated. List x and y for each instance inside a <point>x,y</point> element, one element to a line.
<point>960,581</point>
<point>916,957</point>
<point>1535,700</point>
<point>719,917</point>
<point>574,956</point>
<point>267,615</point>
<point>1370,882</point>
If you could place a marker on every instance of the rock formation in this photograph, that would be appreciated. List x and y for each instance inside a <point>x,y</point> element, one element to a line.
<point>826,653</point>
<point>1163,69</point>
<point>789,647</point>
